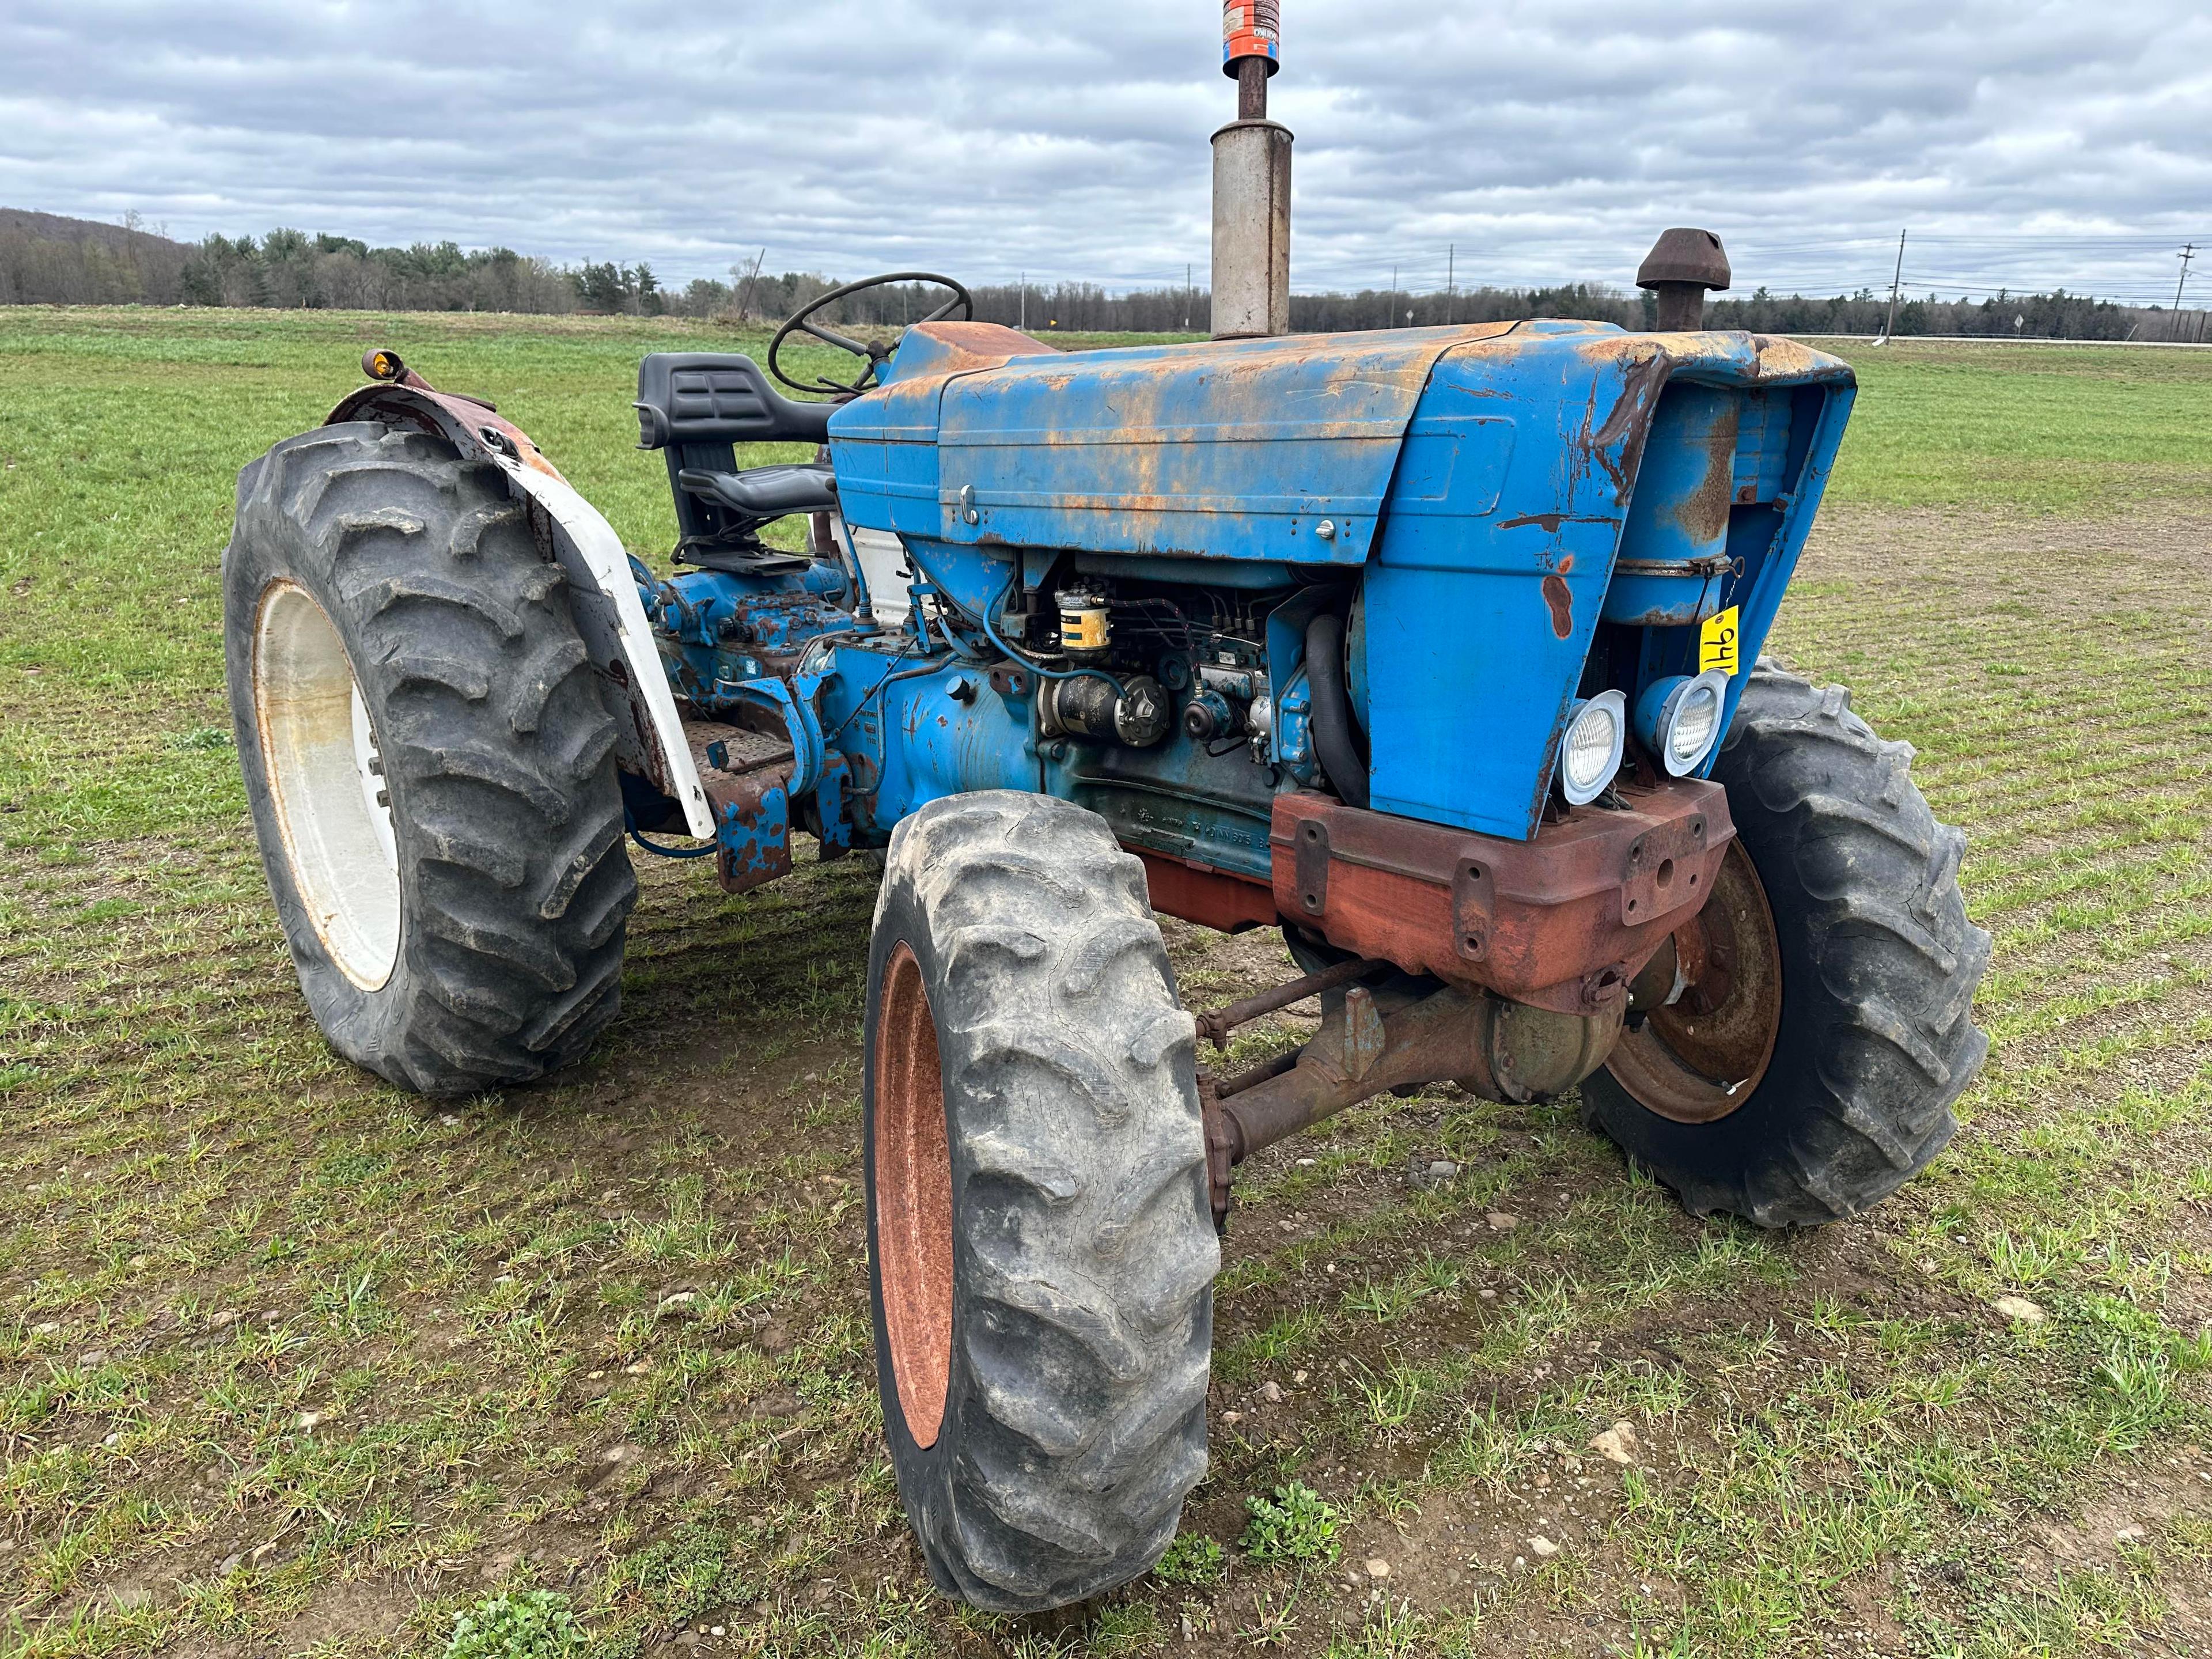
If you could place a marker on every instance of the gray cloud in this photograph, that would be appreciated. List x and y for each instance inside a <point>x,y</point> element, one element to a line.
<point>2023,144</point>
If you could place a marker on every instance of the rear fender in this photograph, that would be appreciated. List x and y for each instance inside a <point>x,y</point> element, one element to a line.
<point>603,595</point>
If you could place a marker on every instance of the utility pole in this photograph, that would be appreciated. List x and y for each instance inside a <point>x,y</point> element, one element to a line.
<point>745,294</point>
<point>1189,295</point>
<point>1451,291</point>
<point>2188,252</point>
<point>1889,328</point>
<point>1025,302</point>
<point>1390,315</point>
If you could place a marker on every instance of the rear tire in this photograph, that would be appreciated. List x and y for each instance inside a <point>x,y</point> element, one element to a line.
<point>1041,1248</point>
<point>1878,966</point>
<point>465,931</point>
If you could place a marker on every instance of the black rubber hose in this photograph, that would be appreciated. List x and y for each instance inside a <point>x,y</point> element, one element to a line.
<point>1332,709</point>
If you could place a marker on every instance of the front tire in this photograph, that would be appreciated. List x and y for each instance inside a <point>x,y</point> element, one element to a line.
<point>1841,898</point>
<point>1042,1253</point>
<point>429,760</point>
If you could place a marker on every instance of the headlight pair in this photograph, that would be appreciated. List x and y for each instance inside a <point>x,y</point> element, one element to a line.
<point>1677,718</point>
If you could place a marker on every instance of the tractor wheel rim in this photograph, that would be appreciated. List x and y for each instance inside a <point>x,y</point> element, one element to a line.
<point>913,1199</point>
<point>1694,1066</point>
<point>319,747</point>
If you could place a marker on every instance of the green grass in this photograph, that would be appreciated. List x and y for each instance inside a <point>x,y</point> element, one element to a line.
<point>2066,430</point>
<point>1293,1522</point>
<point>290,1363</point>
<point>534,1625</point>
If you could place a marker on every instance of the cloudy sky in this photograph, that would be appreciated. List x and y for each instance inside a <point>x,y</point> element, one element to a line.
<point>2023,144</point>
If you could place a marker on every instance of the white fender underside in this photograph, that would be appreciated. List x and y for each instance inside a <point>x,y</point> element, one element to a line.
<point>610,618</point>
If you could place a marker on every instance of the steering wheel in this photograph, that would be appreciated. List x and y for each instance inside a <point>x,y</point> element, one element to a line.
<point>801,322</point>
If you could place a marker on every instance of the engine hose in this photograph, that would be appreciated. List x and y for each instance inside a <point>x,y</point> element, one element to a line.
<point>849,551</point>
<point>1332,709</point>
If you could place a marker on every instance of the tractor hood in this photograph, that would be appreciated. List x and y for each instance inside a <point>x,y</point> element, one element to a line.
<point>1503,492</point>
<point>1275,450</point>
<point>1229,450</point>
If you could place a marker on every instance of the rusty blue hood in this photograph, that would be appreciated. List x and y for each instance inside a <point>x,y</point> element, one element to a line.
<point>1230,449</point>
<point>1242,449</point>
<point>1504,493</point>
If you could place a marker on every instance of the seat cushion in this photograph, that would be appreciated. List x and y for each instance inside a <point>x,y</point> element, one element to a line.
<point>765,492</point>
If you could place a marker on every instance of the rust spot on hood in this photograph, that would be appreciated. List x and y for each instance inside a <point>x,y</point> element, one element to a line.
<point>1786,359</point>
<point>1549,522</point>
<point>1562,601</point>
<point>1704,513</point>
<point>1630,420</point>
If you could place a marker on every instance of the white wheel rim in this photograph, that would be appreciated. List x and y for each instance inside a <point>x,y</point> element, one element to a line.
<point>320,750</point>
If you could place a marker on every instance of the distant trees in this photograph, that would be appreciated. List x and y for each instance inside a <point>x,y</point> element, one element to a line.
<point>759,296</point>
<point>45,259</point>
<point>2056,315</point>
<point>1085,307</point>
<point>290,270</point>
<point>612,287</point>
<point>48,259</point>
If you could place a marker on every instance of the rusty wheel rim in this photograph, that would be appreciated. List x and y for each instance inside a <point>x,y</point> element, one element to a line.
<point>913,1199</point>
<point>1696,1064</point>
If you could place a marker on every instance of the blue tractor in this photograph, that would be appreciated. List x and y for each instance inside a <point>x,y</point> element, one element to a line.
<point>1437,649</point>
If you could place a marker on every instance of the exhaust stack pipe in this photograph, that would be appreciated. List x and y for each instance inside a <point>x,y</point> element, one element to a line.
<point>1251,183</point>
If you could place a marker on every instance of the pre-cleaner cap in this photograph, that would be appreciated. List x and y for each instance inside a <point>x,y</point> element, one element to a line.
<point>1685,255</point>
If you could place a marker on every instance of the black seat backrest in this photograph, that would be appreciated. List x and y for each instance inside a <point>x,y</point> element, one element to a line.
<point>714,396</point>
<point>698,406</point>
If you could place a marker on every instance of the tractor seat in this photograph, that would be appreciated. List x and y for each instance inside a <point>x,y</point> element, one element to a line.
<point>765,492</point>
<point>695,407</point>
<point>698,398</point>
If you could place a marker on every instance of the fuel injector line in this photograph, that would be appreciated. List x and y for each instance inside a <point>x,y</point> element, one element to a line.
<point>1332,709</point>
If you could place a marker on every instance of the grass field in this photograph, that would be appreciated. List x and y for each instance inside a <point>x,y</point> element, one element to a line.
<point>290,1363</point>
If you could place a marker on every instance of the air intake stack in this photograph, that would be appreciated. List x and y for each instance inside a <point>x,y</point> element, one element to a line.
<point>1682,264</point>
<point>1251,183</point>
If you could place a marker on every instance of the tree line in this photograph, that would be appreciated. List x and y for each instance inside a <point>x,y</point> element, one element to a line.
<point>48,260</point>
<point>1086,307</point>
<point>45,259</point>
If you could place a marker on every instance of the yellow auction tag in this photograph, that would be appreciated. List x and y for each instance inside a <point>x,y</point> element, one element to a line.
<point>1716,642</point>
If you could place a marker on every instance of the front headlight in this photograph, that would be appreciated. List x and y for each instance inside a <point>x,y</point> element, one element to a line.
<point>1590,749</point>
<point>1678,718</point>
